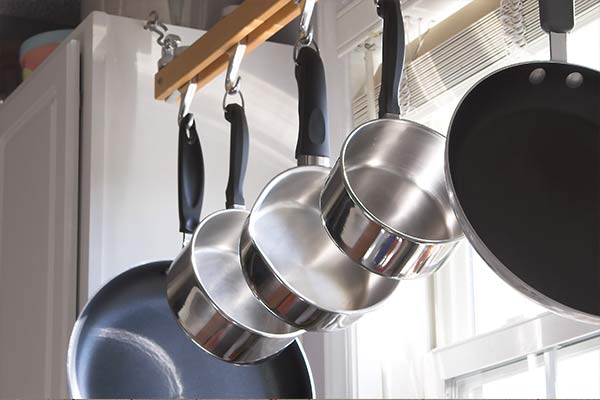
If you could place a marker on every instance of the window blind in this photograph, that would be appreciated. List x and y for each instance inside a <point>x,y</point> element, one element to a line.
<point>463,55</point>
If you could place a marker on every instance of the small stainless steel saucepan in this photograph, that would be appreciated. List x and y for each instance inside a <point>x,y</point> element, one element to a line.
<point>385,203</point>
<point>290,261</point>
<point>206,288</point>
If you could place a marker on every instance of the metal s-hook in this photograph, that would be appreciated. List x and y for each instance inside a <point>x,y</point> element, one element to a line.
<point>154,24</point>
<point>232,77</point>
<point>169,43</point>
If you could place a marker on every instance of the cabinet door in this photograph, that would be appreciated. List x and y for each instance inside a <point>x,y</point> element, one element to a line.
<point>39,146</point>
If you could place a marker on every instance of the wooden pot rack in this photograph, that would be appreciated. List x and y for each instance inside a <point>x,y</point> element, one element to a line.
<point>253,21</point>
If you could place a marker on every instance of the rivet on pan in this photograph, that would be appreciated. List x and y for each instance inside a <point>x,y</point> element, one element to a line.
<point>574,80</point>
<point>537,76</point>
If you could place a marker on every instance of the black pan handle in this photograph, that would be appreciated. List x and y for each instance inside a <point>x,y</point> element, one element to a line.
<point>238,155</point>
<point>557,16</point>
<point>393,56</point>
<point>190,167</point>
<point>313,134</point>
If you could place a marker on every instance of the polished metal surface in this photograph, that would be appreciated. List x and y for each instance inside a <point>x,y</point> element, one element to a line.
<point>211,300</point>
<point>292,264</point>
<point>539,234</point>
<point>558,46</point>
<point>385,202</point>
<point>127,344</point>
<point>306,160</point>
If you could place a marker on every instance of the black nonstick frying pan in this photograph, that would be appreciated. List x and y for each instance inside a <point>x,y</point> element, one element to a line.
<point>523,169</point>
<point>127,344</point>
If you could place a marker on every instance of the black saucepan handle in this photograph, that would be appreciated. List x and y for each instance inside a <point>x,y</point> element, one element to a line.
<point>393,56</point>
<point>313,134</point>
<point>557,16</point>
<point>238,155</point>
<point>190,175</point>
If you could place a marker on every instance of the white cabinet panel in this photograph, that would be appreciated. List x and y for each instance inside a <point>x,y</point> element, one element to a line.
<point>39,130</point>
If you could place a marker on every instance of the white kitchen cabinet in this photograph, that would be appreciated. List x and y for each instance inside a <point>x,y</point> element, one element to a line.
<point>88,183</point>
<point>39,138</point>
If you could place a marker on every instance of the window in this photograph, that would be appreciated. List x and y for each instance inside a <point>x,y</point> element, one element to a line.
<point>578,370</point>
<point>499,383</point>
<point>572,371</point>
<point>449,336</point>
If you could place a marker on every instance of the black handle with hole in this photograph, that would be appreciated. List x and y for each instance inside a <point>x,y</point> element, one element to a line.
<point>313,134</point>
<point>393,56</point>
<point>190,170</point>
<point>238,155</point>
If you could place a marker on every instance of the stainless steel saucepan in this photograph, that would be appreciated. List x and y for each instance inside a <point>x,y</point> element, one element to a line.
<point>385,203</point>
<point>289,259</point>
<point>206,288</point>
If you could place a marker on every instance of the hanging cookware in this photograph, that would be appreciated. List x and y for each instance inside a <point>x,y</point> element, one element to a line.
<point>127,344</point>
<point>207,290</point>
<point>385,203</point>
<point>289,260</point>
<point>523,167</point>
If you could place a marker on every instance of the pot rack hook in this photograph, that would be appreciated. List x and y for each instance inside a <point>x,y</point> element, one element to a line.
<point>305,34</point>
<point>232,77</point>
<point>186,103</point>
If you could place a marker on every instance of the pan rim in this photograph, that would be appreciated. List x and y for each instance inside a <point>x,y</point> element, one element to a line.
<point>294,334</point>
<point>365,211</point>
<point>475,240</point>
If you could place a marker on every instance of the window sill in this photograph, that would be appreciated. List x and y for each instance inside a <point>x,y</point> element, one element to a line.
<point>509,343</point>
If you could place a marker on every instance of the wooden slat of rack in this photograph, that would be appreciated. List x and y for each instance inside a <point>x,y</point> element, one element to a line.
<point>273,25</point>
<point>207,57</point>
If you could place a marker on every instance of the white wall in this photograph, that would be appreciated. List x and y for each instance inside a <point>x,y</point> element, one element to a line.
<point>133,161</point>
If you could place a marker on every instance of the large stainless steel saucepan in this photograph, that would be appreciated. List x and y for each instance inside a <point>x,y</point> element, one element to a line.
<point>289,259</point>
<point>385,203</point>
<point>206,287</point>
<point>523,167</point>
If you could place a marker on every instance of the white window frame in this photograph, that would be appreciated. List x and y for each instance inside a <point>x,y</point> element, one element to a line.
<point>453,297</point>
<point>540,334</point>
